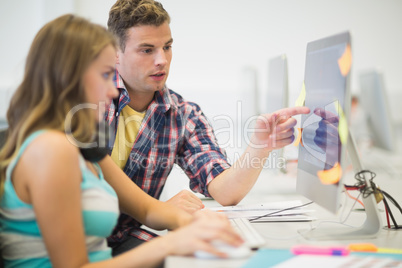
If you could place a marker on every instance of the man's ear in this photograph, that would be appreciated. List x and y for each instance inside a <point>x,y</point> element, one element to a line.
<point>117,57</point>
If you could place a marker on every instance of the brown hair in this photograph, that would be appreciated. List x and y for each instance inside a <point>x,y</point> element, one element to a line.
<point>125,14</point>
<point>52,84</point>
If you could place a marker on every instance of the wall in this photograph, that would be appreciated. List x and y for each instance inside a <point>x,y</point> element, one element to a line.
<point>20,20</point>
<point>216,40</point>
<point>220,45</point>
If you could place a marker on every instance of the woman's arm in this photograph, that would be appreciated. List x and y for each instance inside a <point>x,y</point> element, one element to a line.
<point>48,177</point>
<point>138,204</point>
<point>207,227</point>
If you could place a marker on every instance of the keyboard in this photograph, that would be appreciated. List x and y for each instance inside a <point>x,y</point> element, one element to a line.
<point>251,237</point>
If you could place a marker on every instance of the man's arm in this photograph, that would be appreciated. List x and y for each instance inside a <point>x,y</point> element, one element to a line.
<point>272,131</point>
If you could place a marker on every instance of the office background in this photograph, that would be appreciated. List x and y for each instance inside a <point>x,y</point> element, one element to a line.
<point>221,48</point>
<point>214,41</point>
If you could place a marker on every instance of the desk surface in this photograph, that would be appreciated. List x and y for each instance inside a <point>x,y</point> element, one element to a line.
<point>283,235</point>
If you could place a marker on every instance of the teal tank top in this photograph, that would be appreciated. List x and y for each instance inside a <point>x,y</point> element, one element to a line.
<point>21,240</point>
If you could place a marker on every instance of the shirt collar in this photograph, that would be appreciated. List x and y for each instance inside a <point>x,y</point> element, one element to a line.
<point>118,81</point>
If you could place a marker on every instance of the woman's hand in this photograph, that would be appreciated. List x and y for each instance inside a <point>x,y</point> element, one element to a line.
<point>187,201</point>
<point>206,227</point>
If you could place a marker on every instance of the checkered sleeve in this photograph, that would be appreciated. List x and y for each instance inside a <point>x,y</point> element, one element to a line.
<point>200,156</point>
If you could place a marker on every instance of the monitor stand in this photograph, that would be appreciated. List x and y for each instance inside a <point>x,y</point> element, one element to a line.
<point>370,227</point>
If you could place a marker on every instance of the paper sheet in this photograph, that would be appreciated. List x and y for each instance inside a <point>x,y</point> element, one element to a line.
<point>338,262</point>
<point>298,139</point>
<point>259,206</point>
<point>275,211</point>
<point>345,61</point>
<point>302,96</point>
<point>284,215</point>
<point>343,124</point>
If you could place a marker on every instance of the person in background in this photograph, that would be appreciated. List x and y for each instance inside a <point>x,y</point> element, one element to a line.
<point>153,127</point>
<point>57,207</point>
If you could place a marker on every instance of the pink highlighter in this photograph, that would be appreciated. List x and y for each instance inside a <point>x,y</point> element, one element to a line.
<point>315,250</point>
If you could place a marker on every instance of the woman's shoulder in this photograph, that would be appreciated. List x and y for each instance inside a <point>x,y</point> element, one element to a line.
<point>47,160</point>
<point>51,145</point>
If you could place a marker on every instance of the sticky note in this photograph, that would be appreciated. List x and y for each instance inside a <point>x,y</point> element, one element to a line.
<point>299,137</point>
<point>302,96</point>
<point>343,124</point>
<point>345,61</point>
<point>330,176</point>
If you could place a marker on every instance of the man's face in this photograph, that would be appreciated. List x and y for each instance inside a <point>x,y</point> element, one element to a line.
<point>144,64</point>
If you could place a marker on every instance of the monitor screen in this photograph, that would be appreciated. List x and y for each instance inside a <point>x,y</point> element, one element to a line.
<point>374,101</point>
<point>322,149</point>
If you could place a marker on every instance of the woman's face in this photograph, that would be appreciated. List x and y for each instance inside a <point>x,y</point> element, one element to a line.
<point>98,81</point>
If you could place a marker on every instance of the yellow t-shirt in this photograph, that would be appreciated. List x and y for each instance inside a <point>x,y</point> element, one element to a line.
<point>127,131</point>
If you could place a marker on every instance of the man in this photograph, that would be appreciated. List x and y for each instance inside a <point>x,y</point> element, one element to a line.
<point>154,127</point>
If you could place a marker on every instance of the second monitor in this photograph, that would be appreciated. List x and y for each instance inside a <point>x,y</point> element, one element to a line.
<point>375,105</point>
<point>277,98</point>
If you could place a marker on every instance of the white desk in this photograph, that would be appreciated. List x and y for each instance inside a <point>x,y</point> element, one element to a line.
<point>283,235</point>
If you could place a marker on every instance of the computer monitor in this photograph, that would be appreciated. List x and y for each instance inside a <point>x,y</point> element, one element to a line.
<point>374,102</point>
<point>277,98</point>
<point>324,143</point>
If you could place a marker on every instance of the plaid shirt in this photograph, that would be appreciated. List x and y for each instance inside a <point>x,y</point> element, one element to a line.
<point>173,131</point>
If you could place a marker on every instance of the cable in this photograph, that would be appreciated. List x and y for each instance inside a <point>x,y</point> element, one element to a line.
<point>390,213</point>
<point>372,188</point>
<point>354,198</point>
<point>351,209</point>
<point>365,189</point>
<point>278,211</point>
<point>393,201</point>
<point>387,216</point>
<point>342,222</point>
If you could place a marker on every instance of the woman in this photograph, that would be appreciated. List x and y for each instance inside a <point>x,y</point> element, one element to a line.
<point>57,208</point>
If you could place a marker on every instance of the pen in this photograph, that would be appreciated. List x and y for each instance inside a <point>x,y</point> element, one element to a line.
<point>368,247</point>
<point>314,250</point>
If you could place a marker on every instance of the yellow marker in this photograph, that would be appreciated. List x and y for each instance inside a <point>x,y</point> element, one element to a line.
<point>330,176</point>
<point>389,250</point>
<point>368,247</point>
<point>343,124</point>
<point>302,97</point>
<point>345,61</point>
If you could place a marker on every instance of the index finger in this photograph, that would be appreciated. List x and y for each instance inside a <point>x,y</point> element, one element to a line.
<point>292,111</point>
<point>327,115</point>
<point>324,113</point>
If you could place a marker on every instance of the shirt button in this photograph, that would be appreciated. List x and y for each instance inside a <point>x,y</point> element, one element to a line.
<point>117,113</point>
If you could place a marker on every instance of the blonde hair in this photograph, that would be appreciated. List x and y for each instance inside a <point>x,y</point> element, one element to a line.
<point>125,14</point>
<point>52,84</point>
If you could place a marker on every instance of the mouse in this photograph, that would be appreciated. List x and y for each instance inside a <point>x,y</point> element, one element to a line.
<point>232,252</point>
